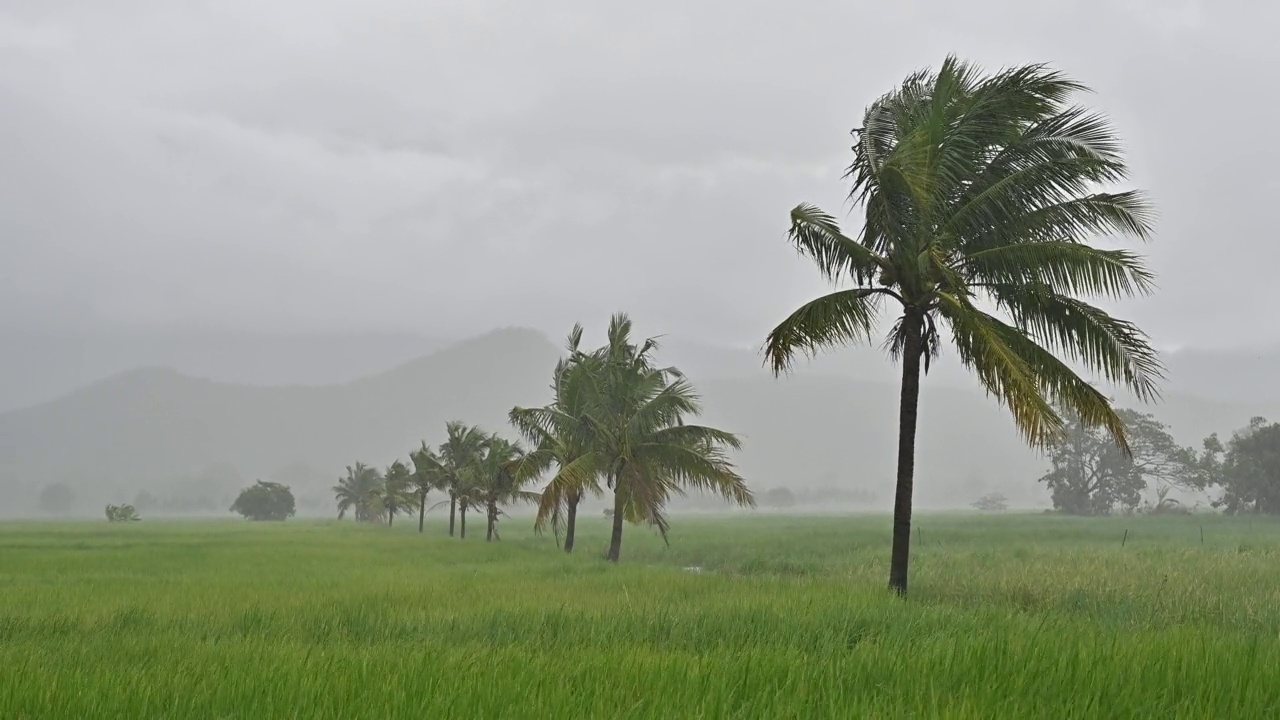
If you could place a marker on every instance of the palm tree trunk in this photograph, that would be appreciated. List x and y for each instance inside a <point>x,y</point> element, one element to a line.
<point>462,522</point>
<point>572,523</point>
<point>492,512</point>
<point>615,540</point>
<point>391,515</point>
<point>422,510</point>
<point>913,345</point>
<point>453,511</point>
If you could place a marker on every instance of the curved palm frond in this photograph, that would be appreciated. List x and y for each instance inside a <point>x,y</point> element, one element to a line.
<point>840,318</point>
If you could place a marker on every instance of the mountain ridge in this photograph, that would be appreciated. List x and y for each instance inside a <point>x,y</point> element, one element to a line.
<point>150,428</point>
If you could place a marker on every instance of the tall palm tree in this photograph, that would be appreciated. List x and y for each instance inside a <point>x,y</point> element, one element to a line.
<point>461,451</point>
<point>980,193</point>
<point>360,492</point>
<point>499,481</point>
<point>397,493</point>
<point>560,434</point>
<point>644,447</point>
<point>428,475</point>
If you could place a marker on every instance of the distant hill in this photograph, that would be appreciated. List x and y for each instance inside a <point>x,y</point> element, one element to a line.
<point>39,366</point>
<point>146,426</point>
<point>157,429</point>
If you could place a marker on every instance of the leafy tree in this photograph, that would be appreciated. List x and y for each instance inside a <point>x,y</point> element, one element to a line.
<point>56,499</point>
<point>500,482</point>
<point>979,193</point>
<point>397,490</point>
<point>639,435</point>
<point>780,498</point>
<point>265,501</point>
<point>1247,469</point>
<point>560,434</point>
<point>360,493</point>
<point>122,513</point>
<point>1092,475</point>
<point>460,453</point>
<point>428,474</point>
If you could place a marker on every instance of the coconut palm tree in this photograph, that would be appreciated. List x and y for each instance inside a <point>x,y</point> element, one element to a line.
<point>500,482</point>
<point>461,451</point>
<point>638,433</point>
<point>397,490</point>
<point>360,492</point>
<point>560,434</point>
<point>428,475</point>
<point>979,195</point>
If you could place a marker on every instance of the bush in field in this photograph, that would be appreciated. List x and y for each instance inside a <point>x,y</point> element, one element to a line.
<point>992,502</point>
<point>265,501</point>
<point>122,513</point>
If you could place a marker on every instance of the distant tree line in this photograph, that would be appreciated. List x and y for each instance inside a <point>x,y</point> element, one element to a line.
<point>1091,475</point>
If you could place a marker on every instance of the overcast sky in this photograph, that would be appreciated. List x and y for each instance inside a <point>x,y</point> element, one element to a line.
<point>439,167</point>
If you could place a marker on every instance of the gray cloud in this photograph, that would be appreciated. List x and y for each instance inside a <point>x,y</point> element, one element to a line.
<point>448,166</point>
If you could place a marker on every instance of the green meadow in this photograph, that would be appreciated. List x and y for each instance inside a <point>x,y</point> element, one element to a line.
<point>1010,616</point>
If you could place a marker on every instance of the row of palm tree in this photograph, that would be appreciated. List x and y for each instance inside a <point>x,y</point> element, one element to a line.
<point>617,423</point>
<point>475,470</point>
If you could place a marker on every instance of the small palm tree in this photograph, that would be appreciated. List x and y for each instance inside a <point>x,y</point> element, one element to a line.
<point>360,493</point>
<point>980,193</point>
<point>500,482</point>
<point>640,438</point>
<point>397,490</point>
<point>461,451</point>
<point>560,434</point>
<point>428,475</point>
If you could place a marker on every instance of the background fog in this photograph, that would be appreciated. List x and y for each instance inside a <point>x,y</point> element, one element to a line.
<point>358,197</point>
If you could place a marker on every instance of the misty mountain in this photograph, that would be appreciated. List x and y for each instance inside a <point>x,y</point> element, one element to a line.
<point>39,366</point>
<point>156,428</point>
<point>147,426</point>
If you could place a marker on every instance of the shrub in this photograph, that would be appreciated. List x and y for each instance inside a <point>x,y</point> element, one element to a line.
<point>265,501</point>
<point>122,513</point>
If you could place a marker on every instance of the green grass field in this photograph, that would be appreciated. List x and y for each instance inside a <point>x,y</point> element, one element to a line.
<point>1013,617</point>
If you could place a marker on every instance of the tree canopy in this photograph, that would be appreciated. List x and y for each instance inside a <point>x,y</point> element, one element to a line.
<point>265,501</point>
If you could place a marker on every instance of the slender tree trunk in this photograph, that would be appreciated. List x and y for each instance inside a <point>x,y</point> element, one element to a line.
<point>908,409</point>
<point>615,540</point>
<point>572,523</point>
<point>453,511</point>
<point>422,510</point>
<point>492,511</point>
<point>391,516</point>
<point>462,522</point>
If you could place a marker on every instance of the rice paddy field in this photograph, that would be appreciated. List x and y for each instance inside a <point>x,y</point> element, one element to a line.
<point>1011,616</point>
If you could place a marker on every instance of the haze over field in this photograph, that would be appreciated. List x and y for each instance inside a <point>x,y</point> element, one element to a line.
<point>300,255</point>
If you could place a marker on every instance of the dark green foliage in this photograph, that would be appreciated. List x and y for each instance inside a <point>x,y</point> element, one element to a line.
<point>1247,469</point>
<point>122,513</point>
<point>265,501</point>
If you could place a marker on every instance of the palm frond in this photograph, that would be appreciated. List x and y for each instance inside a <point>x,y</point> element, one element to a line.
<point>840,318</point>
<point>817,235</point>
